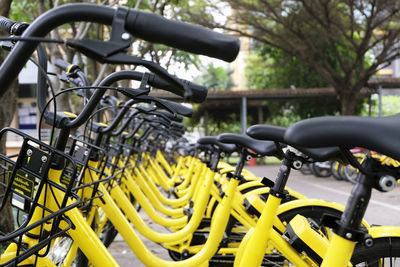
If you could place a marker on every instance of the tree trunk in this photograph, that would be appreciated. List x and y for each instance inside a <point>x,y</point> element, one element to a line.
<point>348,102</point>
<point>8,104</point>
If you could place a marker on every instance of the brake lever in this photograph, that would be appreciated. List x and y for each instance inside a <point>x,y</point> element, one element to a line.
<point>102,52</point>
<point>122,58</point>
<point>7,45</point>
<point>114,50</point>
<point>70,78</point>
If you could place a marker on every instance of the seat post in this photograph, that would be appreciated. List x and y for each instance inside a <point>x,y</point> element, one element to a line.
<point>278,188</point>
<point>215,157</point>
<point>357,204</point>
<point>239,166</point>
<point>350,221</point>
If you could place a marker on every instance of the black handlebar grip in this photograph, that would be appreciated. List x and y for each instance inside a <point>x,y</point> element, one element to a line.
<point>62,64</point>
<point>12,27</point>
<point>199,93</point>
<point>69,67</point>
<point>188,37</point>
<point>6,24</point>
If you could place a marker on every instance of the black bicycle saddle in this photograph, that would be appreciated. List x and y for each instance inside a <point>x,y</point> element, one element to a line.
<point>277,133</point>
<point>378,134</point>
<point>212,140</point>
<point>262,148</point>
<point>266,132</point>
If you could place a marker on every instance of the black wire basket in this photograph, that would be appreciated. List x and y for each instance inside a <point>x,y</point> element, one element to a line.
<point>91,170</point>
<point>113,164</point>
<point>32,196</point>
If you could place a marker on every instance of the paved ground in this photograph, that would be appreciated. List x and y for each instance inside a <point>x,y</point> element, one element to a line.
<point>383,209</point>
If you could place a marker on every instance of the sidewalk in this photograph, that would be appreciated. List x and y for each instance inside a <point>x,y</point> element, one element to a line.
<point>123,253</point>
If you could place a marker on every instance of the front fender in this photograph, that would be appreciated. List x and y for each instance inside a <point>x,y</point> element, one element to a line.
<point>384,231</point>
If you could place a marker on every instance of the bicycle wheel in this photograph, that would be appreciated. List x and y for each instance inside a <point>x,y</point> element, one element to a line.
<point>321,169</point>
<point>305,169</point>
<point>384,252</point>
<point>352,174</point>
<point>337,171</point>
<point>108,234</point>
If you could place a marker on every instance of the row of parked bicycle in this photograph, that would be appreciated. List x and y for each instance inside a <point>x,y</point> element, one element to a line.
<point>344,172</point>
<point>331,168</point>
<point>72,196</point>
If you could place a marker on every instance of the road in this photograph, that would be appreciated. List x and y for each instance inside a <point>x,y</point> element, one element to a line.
<point>383,209</point>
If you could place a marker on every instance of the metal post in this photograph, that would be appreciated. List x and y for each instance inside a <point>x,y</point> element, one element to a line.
<point>205,122</point>
<point>260,115</point>
<point>243,115</point>
<point>369,106</point>
<point>380,100</point>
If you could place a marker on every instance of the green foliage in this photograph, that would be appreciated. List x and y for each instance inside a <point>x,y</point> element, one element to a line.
<point>132,4</point>
<point>286,112</point>
<point>192,122</point>
<point>285,120</point>
<point>390,106</point>
<point>230,125</point>
<point>258,71</point>
<point>186,59</point>
<point>215,78</point>
<point>345,42</point>
<point>189,10</point>
<point>24,10</point>
<point>270,67</point>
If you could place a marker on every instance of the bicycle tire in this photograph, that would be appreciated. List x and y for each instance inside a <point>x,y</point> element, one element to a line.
<point>108,234</point>
<point>305,169</point>
<point>337,171</point>
<point>81,260</point>
<point>352,174</point>
<point>380,254</point>
<point>323,172</point>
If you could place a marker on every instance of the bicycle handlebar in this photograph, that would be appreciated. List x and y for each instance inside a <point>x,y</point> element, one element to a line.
<point>62,64</point>
<point>6,24</point>
<point>191,38</point>
<point>199,92</point>
<point>118,76</point>
<point>12,27</point>
<point>150,27</point>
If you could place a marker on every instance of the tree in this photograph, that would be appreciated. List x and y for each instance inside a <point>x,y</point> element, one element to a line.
<point>344,41</point>
<point>215,78</point>
<point>8,105</point>
<point>271,67</point>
